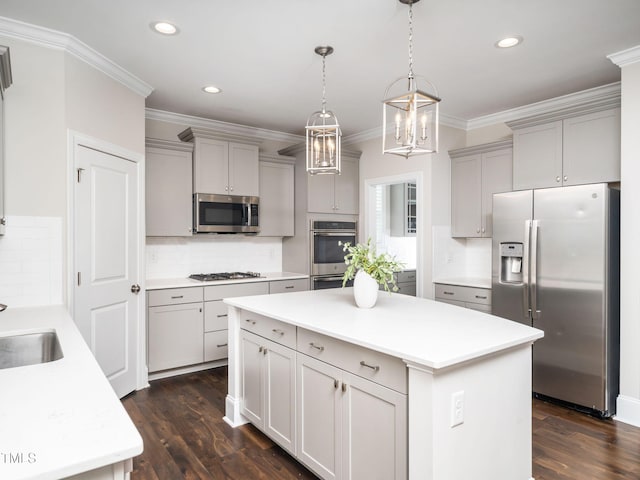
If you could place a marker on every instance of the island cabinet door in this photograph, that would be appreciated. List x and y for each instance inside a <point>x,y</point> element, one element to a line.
<point>252,383</point>
<point>374,437</point>
<point>319,417</point>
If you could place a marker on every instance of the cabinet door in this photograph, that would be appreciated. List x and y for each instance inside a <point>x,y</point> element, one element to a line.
<point>374,438</point>
<point>243,170</point>
<point>466,187</point>
<point>280,394</point>
<point>321,197</point>
<point>497,173</point>
<point>251,377</point>
<point>319,416</point>
<point>168,179</point>
<point>175,336</point>
<point>276,200</point>
<point>537,156</point>
<point>591,148</point>
<point>346,188</point>
<point>210,166</point>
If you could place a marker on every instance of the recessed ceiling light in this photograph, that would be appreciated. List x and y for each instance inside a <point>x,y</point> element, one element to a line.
<point>165,28</point>
<point>509,42</point>
<point>211,89</point>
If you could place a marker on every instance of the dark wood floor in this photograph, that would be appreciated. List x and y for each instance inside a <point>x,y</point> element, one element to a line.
<point>180,420</point>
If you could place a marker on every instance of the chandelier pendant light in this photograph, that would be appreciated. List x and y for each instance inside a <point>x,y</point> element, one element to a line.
<point>410,110</point>
<point>323,132</point>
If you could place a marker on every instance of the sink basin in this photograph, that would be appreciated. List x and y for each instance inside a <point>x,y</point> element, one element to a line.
<point>29,349</point>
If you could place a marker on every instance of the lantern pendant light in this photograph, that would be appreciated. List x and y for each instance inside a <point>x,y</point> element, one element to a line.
<point>410,114</point>
<point>323,132</point>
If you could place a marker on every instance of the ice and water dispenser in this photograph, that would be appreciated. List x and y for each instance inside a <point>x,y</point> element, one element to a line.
<point>511,258</point>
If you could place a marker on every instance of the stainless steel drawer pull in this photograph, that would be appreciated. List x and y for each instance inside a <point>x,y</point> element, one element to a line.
<point>289,286</point>
<point>223,345</point>
<point>278,331</point>
<point>335,383</point>
<point>375,368</point>
<point>448,293</point>
<point>264,351</point>
<point>252,322</point>
<point>222,316</point>
<point>177,296</point>
<point>344,387</point>
<point>260,349</point>
<point>320,348</point>
<point>481,297</point>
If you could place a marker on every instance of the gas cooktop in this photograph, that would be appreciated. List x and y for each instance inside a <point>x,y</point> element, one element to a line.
<point>211,277</point>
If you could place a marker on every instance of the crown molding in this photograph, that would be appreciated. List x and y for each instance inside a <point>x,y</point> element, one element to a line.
<point>283,159</point>
<point>68,43</point>
<point>232,129</point>
<point>168,144</point>
<point>626,57</point>
<point>484,148</point>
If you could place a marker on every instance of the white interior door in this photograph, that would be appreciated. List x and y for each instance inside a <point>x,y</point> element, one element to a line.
<point>106,263</point>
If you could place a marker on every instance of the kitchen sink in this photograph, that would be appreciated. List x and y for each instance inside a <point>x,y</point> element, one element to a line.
<point>29,349</point>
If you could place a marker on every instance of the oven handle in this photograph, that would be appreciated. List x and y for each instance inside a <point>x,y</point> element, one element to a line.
<point>332,234</point>
<point>327,279</point>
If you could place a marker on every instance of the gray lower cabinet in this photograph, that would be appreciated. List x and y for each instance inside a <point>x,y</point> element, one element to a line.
<point>463,296</point>
<point>188,326</point>
<point>268,387</point>
<point>406,282</point>
<point>339,408</point>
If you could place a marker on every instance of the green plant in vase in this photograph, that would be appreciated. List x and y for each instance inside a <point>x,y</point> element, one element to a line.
<point>363,257</point>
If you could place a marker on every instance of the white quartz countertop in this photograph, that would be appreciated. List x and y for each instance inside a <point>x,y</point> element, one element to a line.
<point>59,418</point>
<point>160,283</point>
<point>429,333</point>
<point>466,281</point>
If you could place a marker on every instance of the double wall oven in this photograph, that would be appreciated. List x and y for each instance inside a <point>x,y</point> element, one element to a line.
<point>327,254</point>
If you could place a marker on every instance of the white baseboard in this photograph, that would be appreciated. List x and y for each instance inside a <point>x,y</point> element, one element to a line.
<point>189,369</point>
<point>628,410</point>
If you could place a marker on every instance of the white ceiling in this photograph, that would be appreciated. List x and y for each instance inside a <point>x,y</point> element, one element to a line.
<point>260,52</point>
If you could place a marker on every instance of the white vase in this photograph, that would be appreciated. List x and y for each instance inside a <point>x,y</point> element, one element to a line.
<point>365,290</point>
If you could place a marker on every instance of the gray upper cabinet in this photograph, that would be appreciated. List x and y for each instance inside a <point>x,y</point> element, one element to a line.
<point>168,188</point>
<point>223,164</point>
<point>573,146</point>
<point>476,174</point>
<point>335,193</point>
<point>402,209</point>
<point>276,197</point>
<point>5,82</point>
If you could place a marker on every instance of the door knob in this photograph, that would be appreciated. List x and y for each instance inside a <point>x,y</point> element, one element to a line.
<point>135,288</point>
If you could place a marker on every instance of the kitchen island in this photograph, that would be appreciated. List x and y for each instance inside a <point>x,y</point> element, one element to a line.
<point>409,389</point>
<point>61,418</point>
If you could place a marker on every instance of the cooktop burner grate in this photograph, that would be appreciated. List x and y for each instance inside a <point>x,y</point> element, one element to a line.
<point>210,277</point>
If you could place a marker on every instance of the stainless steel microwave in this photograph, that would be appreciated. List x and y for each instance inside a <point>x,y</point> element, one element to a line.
<point>225,214</point>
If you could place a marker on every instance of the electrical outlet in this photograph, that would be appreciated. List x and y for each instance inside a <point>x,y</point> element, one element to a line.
<point>457,408</point>
<point>449,258</point>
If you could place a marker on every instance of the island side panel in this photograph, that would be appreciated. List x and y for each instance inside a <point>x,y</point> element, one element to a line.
<point>494,440</point>
<point>232,402</point>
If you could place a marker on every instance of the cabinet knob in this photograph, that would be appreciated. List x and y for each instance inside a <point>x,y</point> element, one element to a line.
<point>231,188</point>
<point>557,179</point>
<point>226,189</point>
<point>477,230</point>
<point>483,230</point>
<point>566,178</point>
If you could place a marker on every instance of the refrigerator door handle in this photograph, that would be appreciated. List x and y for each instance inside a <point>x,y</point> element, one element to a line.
<point>525,271</point>
<point>535,313</point>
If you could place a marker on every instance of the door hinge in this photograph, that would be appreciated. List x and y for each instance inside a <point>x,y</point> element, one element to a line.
<point>79,170</point>
<point>79,278</point>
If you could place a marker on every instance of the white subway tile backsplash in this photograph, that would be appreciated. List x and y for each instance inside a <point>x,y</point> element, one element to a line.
<point>31,256</point>
<point>460,257</point>
<point>180,257</point>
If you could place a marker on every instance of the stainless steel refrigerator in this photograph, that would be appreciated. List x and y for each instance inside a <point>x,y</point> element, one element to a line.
<point>556,267</point>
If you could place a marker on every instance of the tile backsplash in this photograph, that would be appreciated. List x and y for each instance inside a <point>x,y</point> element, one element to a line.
<point>460,257</point>
<point>179,257</point>
<point>31,258</point>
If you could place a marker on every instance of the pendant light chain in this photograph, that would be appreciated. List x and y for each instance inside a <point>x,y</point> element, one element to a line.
<point>324,83</point>
<point>410,40</point>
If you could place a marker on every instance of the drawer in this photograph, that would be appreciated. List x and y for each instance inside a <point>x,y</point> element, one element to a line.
<point>375,366</point>
<point>274,330</point>
<point>479,306</point>
<point>284,286</point>
<point>215,316</point>
<point>218,292</point>
<point>463,294</point>
<point>216,345</point>
<point>457,303</point>
<point>406,276</point>
<point>174,296</point>
<point>407,288</point>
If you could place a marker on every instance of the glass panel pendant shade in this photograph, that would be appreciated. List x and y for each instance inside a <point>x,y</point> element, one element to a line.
<point>410,118</point>
<point>410,110</point>
<point>323,133</point>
